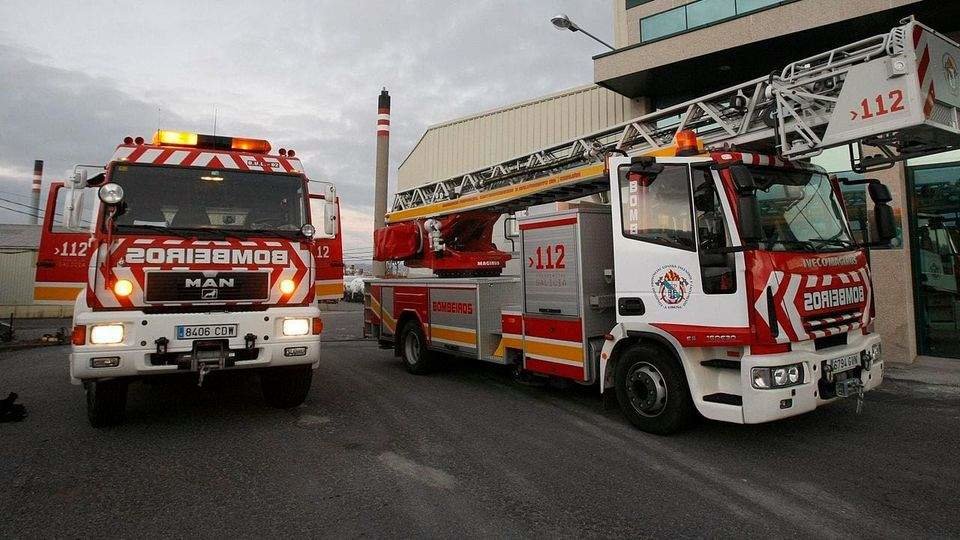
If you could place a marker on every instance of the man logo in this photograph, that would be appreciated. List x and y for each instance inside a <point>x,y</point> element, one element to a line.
<point>208,294</point>
<point>209,287</point>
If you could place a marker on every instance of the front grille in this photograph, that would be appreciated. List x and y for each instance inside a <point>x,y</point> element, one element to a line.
<point>206,286</point>
<point>833,322</point>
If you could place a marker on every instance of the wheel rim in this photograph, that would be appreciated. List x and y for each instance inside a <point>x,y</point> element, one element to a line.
<point>411,348</point>
<point>646,389</point>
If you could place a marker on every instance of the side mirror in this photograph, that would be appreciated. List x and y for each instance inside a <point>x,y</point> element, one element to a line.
<point>332,214</point>
<point>886,224</point>
<point>742,179</point>
<point>879,193</point>
<point>751,231</point>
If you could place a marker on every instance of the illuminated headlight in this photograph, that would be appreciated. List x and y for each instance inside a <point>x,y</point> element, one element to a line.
<point>296,327</point>
<point>777,377</point>
<point>105,334</point>
<point>870,356</point>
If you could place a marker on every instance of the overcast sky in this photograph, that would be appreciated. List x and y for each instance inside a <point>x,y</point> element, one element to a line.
<point>79,76</point>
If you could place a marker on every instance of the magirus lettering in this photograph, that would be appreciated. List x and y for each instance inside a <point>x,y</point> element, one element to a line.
<point>237,257</point>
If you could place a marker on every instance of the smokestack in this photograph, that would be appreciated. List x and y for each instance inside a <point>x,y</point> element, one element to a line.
<point>35,190</point>
<point>383,162</point>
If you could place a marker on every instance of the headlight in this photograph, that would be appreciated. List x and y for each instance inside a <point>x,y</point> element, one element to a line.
<point>296,327</point>
<point>110,193</point>
<point>105,334</point>
<point>870,356</point>
<point>287,286</point>
<point>777,377</point>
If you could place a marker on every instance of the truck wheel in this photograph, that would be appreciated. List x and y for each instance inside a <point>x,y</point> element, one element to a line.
<point>413,349</point>
<point>106,402</point>
<point>286,387</point>
<point>652,390</point>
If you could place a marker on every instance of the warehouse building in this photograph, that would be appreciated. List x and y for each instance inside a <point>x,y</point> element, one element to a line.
<point>18,260</point>
<point>669,51</point>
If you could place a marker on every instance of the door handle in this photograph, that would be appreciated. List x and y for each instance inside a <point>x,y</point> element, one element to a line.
<point>630,305</point>
<point>45,264</point>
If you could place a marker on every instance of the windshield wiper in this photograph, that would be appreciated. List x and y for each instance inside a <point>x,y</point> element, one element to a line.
<point>157,228</point>
<point>272,232</point>
<point>836,242</point>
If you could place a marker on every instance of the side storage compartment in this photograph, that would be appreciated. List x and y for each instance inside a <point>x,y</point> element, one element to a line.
<point>568,291</point>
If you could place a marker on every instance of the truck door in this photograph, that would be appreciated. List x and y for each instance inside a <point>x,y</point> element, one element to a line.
<point>325,216</point>
<point>672,273</point>
<point>66,245</point>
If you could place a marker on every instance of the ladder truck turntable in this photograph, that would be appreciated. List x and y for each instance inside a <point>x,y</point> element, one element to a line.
<point>203,253</point>
<point>718,274</point>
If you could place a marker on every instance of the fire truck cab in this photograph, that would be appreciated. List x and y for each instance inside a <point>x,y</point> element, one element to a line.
<point>201,253</point>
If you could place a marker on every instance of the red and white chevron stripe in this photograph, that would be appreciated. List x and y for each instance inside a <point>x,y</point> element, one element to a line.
<point>211,159</point>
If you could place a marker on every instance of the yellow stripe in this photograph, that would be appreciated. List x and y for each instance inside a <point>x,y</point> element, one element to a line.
<point>329,289</point>
<point>481,200</point>
<point>507,343</point>
<point>64,294</point>
<point>467,337</point>
<point>389,321</point>
<point>573,353</point>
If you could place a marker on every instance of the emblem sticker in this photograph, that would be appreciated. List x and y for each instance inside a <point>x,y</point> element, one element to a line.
<point>672,286</point>
<point>950,72</point>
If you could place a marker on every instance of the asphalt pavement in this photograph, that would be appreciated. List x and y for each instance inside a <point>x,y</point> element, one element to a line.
<point>464,452</point>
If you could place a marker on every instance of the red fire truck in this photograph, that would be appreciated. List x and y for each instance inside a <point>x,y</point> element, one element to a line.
<point>199,253</point>
<point>707,267</point>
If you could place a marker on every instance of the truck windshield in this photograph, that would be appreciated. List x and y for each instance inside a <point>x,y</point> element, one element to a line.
<point>209,201</point>
<point>799,211</point>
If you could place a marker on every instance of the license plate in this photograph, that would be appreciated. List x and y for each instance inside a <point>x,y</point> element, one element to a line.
<point>206,331</point>
<point>844,363</point>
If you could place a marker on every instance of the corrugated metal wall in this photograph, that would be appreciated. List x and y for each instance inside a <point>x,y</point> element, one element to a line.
<point>465,144</point>
<point>16,276</point>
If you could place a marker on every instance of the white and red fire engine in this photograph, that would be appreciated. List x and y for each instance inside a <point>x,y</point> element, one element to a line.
<point>201,253</point>
<point>713,271</point>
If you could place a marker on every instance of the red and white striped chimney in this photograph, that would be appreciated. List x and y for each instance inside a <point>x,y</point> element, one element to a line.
<point>383,164</point>
<point>35,190</point>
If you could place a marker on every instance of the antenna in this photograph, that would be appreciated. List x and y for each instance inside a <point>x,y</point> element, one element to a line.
<point>215,111</point>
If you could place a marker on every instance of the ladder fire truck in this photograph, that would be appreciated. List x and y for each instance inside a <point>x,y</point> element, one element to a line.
<point>199,253</point>
<point>717,275</point>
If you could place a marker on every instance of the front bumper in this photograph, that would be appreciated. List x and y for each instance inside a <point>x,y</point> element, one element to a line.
<point>138,353</point>
<point>765,405</point>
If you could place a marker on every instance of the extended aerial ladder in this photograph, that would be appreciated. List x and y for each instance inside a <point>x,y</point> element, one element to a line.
<point>896,95</point>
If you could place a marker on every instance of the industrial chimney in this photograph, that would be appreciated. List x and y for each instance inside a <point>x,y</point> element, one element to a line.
<point>383,163</point>
<point>35,190</point>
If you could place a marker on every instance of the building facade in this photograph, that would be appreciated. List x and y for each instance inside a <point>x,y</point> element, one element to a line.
<point>669,51</point>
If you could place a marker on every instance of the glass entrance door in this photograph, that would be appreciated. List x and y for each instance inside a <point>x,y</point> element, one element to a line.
<point>935,229</point>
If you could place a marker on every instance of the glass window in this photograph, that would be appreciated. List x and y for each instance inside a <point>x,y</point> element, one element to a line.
<point>798,211</point>
<point>663,24</point>
<point>717,267</point>
<point>746,6</point>
<point>709,11</point>
<point>218,201</point>
<point>935,250</point>
<point>656,207</point>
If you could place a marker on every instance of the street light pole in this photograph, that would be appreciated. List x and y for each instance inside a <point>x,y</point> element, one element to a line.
<point>562,22</point>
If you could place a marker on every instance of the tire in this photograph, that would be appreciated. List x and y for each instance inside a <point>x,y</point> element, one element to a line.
<point>106,402</point>
<point>652,390</point>
<point>413,349</point>
<point>286,387</point>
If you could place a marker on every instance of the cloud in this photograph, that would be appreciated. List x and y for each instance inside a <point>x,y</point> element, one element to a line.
<point>305,75</point>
